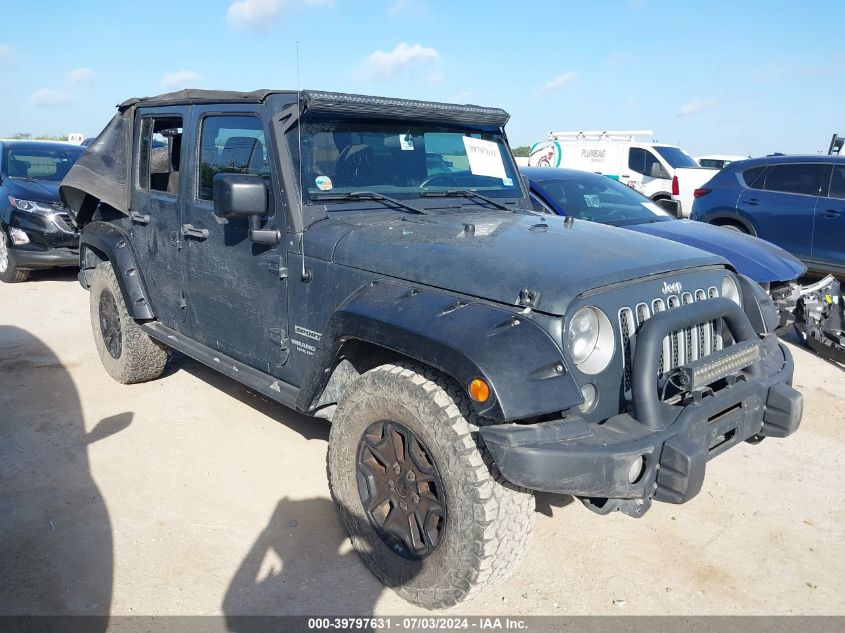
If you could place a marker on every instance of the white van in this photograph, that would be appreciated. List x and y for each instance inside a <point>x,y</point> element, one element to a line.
<point>661,172</point>
<point>718,161</point>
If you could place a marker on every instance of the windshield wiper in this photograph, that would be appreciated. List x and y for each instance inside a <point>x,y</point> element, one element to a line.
<point>363,195</point>
<point>464,193</point>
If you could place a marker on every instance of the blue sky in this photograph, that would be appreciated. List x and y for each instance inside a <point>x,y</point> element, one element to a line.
<point>716,77</point>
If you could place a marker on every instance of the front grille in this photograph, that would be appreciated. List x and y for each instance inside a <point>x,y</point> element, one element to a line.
<point>62,220</point>
<point>679,348</point>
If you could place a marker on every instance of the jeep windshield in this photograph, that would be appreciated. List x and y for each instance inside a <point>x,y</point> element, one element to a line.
<point>601,199</point>
<point>402,161</point>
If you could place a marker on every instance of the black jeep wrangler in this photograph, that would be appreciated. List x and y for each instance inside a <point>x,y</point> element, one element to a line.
<point>375,262</point>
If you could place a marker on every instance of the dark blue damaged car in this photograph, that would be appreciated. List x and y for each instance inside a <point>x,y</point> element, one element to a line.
<point>594,197</point>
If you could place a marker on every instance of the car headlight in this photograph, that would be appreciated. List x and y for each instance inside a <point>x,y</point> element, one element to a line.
<point>730,290</point>
<point>590,339</point>
<point>30,206</point>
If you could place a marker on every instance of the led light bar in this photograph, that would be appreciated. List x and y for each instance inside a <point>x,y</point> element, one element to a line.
<point>404,108</point>
<point>718,365</point>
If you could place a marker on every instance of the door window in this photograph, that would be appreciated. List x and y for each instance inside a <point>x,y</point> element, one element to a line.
<point>160,154</point>
<point>752,177</point>
<point>803,179</point>
<point>837,182</point>
<point>230,144</point>
<point>641,161</point>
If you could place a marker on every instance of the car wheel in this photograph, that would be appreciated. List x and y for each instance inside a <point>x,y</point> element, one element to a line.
<point>9,273</point>
<point>419,495</point>
<point>128,354</point>
<point>733,227</point>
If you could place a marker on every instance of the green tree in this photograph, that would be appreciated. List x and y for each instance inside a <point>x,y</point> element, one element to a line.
<point>27,136</point>
<point>521,151</point>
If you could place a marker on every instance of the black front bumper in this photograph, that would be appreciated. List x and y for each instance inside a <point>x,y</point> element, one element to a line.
<point>597,461</point>
<point>47,258</point>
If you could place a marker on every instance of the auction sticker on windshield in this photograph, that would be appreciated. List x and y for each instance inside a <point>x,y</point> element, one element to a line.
<point>484,157</point>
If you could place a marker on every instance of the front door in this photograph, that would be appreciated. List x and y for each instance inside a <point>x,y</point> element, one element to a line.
<point>156,210</point>
<point>829,226</point>
<point>237,289</point>
<point>645,173</point>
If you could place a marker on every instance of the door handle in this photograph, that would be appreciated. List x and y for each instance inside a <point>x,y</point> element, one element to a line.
<point>139,218</point>
<point>625,176</point>
<point>831,213</point>
<point>188,230</point>
<point>752,202</point>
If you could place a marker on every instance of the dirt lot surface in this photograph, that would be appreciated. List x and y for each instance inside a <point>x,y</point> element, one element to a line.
<point>192,495</point>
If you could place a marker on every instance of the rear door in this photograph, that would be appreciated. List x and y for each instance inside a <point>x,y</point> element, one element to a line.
<point>782,203</point>
<point>237,289</point>
<point>156,209</point>
<point>829,227</point>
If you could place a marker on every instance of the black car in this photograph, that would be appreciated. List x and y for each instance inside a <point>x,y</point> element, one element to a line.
<point>467,350</point>
<point>35,230</point>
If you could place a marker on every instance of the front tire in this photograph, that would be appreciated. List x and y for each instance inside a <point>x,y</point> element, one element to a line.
<point>439,524</point>
<point>128,354</point>
<point>9,273</point>
<point>730,226</point>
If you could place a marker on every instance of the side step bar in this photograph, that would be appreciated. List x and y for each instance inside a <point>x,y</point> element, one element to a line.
<point>264,384</point>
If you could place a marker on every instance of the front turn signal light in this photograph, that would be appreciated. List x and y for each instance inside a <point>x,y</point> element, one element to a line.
<point>479,390</point>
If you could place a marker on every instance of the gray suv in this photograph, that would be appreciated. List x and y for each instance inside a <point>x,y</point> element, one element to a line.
<point>375,262</point>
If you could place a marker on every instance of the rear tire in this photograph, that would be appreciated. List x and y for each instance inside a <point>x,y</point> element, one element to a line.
<point>9,273</point>
<point>128,354</point>
<point>485,523</point>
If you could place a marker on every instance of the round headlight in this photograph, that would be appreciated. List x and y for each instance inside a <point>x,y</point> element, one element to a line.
<point>730,290</point>
<point>583,334</point>
<point>590,339</point>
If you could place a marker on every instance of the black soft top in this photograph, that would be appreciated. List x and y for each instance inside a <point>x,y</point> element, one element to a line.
<point>191,95</point>
<point>102,173</point>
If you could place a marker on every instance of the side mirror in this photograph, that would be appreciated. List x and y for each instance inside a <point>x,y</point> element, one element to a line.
<point>239,195</point>
<point>672,207</point>
<point>244,196</point>
<point>657,171</point>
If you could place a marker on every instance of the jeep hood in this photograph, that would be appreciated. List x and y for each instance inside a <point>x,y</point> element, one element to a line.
<point>761,260</point>
<point>497,255</point>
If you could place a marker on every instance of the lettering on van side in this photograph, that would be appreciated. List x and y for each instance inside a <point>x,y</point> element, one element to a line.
<point>595,155</point>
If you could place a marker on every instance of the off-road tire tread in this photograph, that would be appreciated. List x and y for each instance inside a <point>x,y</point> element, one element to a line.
<point>499,533</point>
<point>142,357</point>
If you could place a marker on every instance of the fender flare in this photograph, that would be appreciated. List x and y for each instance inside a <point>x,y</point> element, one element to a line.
<point>109,242</point>
<point>463,338</point>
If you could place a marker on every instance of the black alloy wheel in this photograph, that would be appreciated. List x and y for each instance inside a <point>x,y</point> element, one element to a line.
<point>401,491</point>
<point>110,324</point>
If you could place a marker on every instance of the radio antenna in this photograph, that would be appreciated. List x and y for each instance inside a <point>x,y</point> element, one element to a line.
<point>306,276</point>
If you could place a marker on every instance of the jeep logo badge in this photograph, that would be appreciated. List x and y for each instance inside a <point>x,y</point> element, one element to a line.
<point>673,288</point>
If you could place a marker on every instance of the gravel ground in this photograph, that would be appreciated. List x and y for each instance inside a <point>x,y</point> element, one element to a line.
<point>192,495</point>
